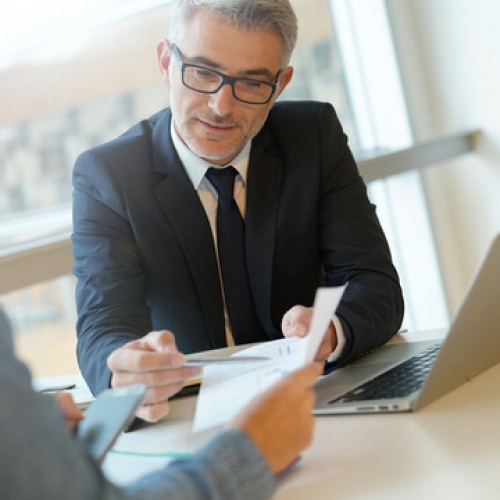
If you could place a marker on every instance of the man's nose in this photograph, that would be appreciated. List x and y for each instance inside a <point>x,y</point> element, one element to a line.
<point>223,102</point>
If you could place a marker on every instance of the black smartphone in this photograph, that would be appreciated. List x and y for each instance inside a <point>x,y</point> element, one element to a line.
<point>110,413</point>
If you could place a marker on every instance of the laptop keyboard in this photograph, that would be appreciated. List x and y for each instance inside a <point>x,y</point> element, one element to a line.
<point>397,382</point>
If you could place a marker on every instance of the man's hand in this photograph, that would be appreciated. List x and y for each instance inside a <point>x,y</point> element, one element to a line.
<point>296,322</point>
<point>154,361</point>
<point>280,421</point>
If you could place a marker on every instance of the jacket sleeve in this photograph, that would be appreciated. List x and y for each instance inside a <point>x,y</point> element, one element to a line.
<point>328,230</point>
<point>109,293</point>
<point>353,246</point>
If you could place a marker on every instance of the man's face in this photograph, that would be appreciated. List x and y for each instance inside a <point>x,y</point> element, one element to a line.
<point>217,126</point>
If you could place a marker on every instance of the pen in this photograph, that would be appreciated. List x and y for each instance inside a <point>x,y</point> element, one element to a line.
<point>231,359</point>
<point>57,388</point>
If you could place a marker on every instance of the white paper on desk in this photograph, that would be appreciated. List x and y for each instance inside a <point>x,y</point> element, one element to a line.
<point>226,389</point>
<point>79,391</point>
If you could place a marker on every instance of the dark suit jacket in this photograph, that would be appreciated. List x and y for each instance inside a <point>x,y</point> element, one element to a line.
<point>144,252</point>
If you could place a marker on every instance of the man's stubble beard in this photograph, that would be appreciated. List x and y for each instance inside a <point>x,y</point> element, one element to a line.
<point>231,153</point>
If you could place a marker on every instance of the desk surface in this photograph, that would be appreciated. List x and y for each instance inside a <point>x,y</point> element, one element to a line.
<point>450,449</point>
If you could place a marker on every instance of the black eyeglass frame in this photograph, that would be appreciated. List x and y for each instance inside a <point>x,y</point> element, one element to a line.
<point>225,80</point>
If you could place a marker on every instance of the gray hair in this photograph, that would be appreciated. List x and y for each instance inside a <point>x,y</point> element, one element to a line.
<point>276,16</point>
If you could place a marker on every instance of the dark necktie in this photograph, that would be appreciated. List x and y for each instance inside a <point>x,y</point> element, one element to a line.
<point>245,326</point>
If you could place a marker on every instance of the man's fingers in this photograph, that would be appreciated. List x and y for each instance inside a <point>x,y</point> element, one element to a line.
<point>154,361</point>
<point>161,394</point>
<point>153,412</point>
<point>154,378</point>
<point>132,358</point>
<point>295,322</point>
<point>154,351</point>
<point>160,341</point>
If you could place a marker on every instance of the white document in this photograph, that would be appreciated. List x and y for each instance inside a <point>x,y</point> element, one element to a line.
<point>226,388</point>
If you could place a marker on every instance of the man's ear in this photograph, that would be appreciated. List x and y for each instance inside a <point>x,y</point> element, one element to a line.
<point>284,80</point>
<point>164,56</point>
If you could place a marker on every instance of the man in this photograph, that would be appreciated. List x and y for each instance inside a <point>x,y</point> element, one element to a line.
<point>149,251</point>
<point>41,460</point>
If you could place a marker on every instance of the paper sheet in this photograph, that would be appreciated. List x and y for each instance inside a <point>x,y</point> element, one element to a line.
<point>226,389</point>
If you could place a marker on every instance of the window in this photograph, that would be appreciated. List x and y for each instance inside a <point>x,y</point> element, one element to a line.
<point>382,124</point>
<point>82,72</point>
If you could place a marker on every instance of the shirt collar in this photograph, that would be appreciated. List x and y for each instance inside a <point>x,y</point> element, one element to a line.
<point>196,167</point>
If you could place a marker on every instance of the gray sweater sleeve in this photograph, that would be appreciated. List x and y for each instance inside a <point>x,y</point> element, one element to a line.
<point>40,460</point>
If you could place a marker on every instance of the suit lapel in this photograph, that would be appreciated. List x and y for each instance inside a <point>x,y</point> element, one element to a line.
<point>263,192</point>
<point>187,218</point>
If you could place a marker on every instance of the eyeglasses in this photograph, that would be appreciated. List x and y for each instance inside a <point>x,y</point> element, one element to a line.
<point>209,81</point>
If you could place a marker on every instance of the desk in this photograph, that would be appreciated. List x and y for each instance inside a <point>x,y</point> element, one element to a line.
<point>450,449</point>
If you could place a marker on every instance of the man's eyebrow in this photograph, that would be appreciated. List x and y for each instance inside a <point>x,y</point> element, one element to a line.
<point>261,73</point>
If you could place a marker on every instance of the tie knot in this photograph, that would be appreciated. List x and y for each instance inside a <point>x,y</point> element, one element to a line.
<point>222,179</point>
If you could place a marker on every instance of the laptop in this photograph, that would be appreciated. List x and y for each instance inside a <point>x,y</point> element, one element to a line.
<point>371,384</point>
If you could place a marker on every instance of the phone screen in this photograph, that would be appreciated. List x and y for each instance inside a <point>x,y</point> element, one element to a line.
<point>109,414</point>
